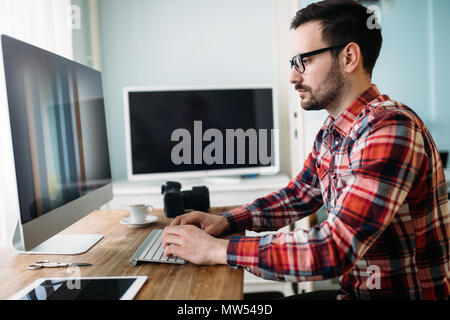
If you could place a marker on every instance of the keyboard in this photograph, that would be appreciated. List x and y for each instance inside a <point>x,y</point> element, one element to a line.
<point>151,250</point>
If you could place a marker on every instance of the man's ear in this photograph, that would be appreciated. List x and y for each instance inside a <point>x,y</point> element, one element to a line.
<point>351,56</point>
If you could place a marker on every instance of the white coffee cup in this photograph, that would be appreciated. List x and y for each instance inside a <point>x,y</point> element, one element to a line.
<point>139,212</point>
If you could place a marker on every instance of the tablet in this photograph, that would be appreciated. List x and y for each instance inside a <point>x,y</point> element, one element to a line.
<point>83,288</point>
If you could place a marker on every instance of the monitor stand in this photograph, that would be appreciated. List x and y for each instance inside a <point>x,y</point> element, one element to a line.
<point>63,244</point>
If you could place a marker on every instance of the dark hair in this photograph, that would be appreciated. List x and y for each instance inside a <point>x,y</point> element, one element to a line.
<point>344,21</point>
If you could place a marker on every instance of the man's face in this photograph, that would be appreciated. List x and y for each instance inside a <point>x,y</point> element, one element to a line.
<point>321,84</point>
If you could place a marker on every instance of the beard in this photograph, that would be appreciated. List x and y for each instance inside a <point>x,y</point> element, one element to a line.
<point>326,94</point>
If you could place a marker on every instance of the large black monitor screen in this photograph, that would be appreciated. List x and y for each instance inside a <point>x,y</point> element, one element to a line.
<point>174,131</point>
<point>58,128</point>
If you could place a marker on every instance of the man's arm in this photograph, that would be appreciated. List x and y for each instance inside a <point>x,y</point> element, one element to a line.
<point>300,198</point>
<point>189,235</point>
<point>385,163</point>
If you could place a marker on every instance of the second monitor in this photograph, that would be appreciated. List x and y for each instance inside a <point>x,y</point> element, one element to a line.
<point>175,133</point>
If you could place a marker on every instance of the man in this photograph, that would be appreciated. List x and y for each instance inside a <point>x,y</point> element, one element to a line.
<point>374,166</point>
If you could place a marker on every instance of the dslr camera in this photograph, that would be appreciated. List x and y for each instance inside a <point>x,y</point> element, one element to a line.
<point>177,201</point>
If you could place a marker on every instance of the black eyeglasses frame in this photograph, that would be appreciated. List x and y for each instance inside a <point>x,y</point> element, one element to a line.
<point>301,56</point>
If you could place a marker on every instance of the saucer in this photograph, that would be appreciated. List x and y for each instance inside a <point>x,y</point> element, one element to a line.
<point>149,220</point>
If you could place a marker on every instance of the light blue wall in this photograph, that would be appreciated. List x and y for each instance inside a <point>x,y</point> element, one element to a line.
<point>441,50</point>
<point>179,43</point>
<point>402,70</point>
<point>414,64</point>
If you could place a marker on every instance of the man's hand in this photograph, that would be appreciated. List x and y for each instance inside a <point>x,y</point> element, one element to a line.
<point>194,245</point>
<point>213,224</point>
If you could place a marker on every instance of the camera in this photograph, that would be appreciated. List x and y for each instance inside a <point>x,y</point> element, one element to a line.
<point>177,201</point>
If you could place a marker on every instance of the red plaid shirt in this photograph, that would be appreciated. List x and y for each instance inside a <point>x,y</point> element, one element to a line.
<point>387,235</point>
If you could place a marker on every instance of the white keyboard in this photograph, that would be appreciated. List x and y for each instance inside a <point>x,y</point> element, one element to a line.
<point>151,250</point>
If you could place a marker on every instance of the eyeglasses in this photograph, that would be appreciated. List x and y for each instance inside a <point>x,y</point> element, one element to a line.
<point>298,62</point>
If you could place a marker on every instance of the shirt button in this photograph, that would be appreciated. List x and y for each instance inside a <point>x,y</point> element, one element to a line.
<point>337,142</point>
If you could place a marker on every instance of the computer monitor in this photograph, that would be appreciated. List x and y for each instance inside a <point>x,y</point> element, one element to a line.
<point>199,132</point>
<point>54,147</point>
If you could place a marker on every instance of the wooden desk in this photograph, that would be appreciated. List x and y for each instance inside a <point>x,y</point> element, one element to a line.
<point>111,255</point>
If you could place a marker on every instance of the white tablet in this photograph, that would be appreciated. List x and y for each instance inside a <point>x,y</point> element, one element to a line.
<point>83,288</point>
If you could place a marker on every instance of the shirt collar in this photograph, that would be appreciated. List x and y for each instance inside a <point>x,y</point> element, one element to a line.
<point>345,121</point>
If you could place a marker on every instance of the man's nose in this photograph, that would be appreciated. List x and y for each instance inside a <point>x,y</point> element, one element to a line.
<point>295,77</point>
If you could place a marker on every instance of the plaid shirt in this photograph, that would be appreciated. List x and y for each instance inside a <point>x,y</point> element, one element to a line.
<point>387,235</point>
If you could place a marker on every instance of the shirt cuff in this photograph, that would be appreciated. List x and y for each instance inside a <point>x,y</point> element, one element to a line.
<point>239,219</point>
